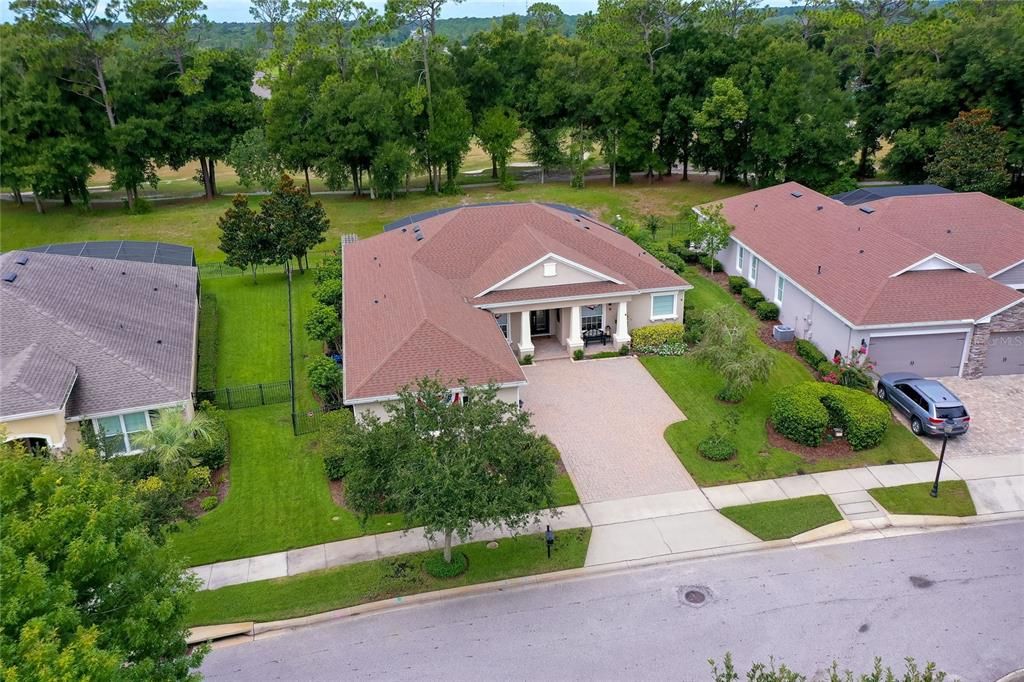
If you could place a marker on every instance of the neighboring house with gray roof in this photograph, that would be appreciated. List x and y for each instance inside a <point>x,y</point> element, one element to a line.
<point>93,339</point>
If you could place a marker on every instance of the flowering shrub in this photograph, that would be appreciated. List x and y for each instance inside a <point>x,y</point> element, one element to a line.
<point>665,349</point>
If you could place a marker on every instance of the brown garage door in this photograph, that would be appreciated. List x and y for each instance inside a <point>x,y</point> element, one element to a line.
<point>1005,353</point>
<point>930,355</point>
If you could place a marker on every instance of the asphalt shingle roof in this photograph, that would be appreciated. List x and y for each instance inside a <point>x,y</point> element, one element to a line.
<point>847,257</point>
<point>127,327</point>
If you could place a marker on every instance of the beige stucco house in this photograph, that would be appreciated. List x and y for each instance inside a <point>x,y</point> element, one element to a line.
<point>469,292</point>
<point>97,340</point>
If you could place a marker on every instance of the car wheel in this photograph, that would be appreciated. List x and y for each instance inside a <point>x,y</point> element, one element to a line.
<point>915,426</point>
<point>881,393</point>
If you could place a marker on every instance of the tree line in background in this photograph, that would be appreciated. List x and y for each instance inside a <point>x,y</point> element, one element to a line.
<point>648,86</point>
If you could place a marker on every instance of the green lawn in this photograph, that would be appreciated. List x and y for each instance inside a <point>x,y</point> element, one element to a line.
<point>693,386</point>
<point>278,498</point>
<point>384,578</point>
<point>195,222</point>
<point>954,499</point>
<point>784,518</point>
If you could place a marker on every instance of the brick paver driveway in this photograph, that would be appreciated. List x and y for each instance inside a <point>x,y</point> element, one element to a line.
<point>608,419</point>
<point>996,425</point>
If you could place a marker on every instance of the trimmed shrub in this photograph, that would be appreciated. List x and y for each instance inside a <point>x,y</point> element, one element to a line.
<point>810,353</point>
<point>694,329</point>
<point>737,284</point>
<point>325,379</point>
<point>803,411</point>
<point>436,566</point>
<point>196,479</point>
<point>133,468</point>
<point>716,448</point>
<point>209,321</point>
<point>624,349</point>
<point>329,268</point>
<point>212,454</point>
<point>334,466</point>
<point>658,334</point>
<point>766,310</point>
<point>208,503</point>
<point>578,354</point>
<point>751,297</point>
<point>322,323</point>
<point>526,359</point>
<point>328,293</point>
<point>681,249</point>
<point>710,264</point>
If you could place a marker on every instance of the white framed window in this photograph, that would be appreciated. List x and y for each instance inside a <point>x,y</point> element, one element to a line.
<point>550,269</point>
<point>502,320</point>
<point>780,288</point>
<point>663,306</point>
<point>121,430</point>
<point>740,254</point>
<point>592,317</point>
<point>754,263</point>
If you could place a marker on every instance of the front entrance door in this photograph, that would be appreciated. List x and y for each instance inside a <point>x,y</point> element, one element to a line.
<point>539,322</point>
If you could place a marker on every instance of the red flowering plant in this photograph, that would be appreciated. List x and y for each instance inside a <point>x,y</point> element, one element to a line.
<point>854,371</point>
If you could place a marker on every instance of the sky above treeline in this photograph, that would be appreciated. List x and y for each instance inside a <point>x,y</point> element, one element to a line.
<point>238,10</point>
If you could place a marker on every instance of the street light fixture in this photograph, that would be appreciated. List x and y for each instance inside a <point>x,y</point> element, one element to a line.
<point>947,429</point>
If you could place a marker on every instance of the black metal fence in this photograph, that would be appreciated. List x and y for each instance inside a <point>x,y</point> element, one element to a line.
<point>253,395</point>
<point>312,420</point>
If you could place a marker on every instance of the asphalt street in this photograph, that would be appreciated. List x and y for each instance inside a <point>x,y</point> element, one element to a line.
<point>955,597</point>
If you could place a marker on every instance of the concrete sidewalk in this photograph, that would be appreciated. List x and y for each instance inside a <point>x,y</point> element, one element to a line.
<point>667,524</point>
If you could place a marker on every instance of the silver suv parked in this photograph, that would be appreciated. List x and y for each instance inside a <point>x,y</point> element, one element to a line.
<point>929,405</point>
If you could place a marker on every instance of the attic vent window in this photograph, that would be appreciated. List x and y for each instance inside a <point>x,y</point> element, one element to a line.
<point>867,209</point>
<point>22,260</point>
<point>419,236</point>
<point>550,269</point>
<point>797,194</point>
<point>10,276</point>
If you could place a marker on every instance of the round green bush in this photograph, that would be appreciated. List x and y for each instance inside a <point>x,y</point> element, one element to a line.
<point>208,503</point>
<point>334,466</point>
<point>751,297</point>
<point>577,354</point>
<point>716,448</point>
<point>436,566</point>
<point>766,310</point>
<point>213,453</point>
<point>737,283</point>
<point>809,352</point>
<point>803,411</point>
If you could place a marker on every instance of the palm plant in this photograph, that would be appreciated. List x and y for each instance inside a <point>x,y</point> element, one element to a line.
<point>170,438</point>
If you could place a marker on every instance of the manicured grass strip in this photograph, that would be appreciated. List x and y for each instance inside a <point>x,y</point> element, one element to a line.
<point>565,491</point>
<point>385,578</point>
<point>954,499</point>
<point>206,372</point>
<point>693,387</point>
<point>784,518</point>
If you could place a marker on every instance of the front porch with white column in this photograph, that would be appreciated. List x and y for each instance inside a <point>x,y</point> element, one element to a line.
<point>565,328</point>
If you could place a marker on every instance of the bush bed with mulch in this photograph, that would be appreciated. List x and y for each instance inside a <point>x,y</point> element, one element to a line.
<point>803,411</point>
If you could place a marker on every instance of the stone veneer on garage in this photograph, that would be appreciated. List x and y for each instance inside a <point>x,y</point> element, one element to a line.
<point>1011,320</point>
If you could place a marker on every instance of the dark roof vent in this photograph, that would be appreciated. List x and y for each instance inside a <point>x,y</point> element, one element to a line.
<point>10,276</point>
<point>861,251</point>
<point>159,341</point>
<point>820,207</point>
<point>22,260</point>
<point>867,209</point>
<point>797,194</point>
<point>403,229</point>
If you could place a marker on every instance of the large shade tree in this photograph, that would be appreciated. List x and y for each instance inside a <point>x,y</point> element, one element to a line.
<point>449,461</point>
<point>88,593</point>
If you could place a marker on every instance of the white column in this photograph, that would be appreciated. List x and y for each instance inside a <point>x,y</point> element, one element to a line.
<point>525,343</point>
<point>575,327</point>
<point>621,325</point>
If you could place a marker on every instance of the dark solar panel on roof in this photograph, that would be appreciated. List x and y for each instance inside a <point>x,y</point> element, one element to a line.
<point>138,251</point>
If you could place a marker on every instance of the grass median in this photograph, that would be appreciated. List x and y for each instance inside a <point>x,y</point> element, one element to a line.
<point>784,518</point>
<point>398,576</point>
<point>954,499</point>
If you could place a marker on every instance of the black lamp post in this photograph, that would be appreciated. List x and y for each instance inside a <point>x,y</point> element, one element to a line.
<point>549,538</point>
<point>946,429</point>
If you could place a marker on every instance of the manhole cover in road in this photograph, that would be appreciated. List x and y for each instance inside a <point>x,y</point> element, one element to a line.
<point>693,595</point>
